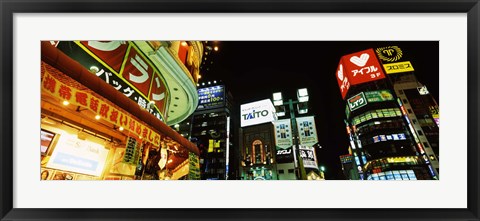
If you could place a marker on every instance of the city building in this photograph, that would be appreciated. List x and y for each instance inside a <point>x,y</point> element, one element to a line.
<point>106,108</point>
<point>212,128</point>
<point>422,111</point>
<point>384,145</point>
<point>257,141</point>
<point>295,145</point>
<point>348,167</point>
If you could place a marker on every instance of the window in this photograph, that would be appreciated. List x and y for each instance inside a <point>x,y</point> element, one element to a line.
<point>400,91</point>
<point>409,111</point>
<point>280,171</point>
<point>420,132</point>
<point>405,101</point>
<point>414,121</point>
<point>425,144</point>
<point>290,170</point>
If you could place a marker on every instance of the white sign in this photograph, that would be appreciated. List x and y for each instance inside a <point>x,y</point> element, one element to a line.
<point>308,157</point>
<point>307,131</point>
<point>283,134</point>
<point>257,112</point>
<point>81,156</point>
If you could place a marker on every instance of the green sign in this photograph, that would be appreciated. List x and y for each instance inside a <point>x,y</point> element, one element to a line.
<point>194,166</point>
<point>357,101</point>
<point>379,96</point>
<point>130,151</point>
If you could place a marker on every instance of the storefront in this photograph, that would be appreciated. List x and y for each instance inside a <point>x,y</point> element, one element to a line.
<point>91,131</point>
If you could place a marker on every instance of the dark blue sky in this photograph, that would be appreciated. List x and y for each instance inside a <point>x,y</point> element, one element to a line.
<point>253,70</point>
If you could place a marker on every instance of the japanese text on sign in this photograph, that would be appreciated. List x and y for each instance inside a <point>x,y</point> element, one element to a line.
<point>357,101</point>
<point>106,111</point>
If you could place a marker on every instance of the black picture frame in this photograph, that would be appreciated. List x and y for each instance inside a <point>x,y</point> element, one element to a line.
<point>10,7</point>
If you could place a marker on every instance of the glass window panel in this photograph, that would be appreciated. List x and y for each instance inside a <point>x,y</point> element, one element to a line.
<point>379,112</point>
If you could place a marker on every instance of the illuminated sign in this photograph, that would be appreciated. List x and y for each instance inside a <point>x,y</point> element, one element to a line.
<point>81,156</point>
<point>342,79</point>
<point>211,97</point>
<point>124,67</point>
<point>308,157</point>
<point>362,67</point>
<point>423,90</point>
<point>131,151</point>
<point>283,141</point>
<point>106,111</point>
<point>284,152</point>
<point>257,112</point>
<point>398,67</point>
<point>357,101</point>
<point>389,53</point>
<point>283,134</point>
<point>307,131</point>
<point>346,158</point>
<point>380,138</point>
<point>358,68</point>
<point>194,167</point>
<point>378,96</point>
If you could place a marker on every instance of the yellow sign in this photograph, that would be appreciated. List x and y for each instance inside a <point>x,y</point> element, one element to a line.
<point>53,86</point>
<point>398,67</point>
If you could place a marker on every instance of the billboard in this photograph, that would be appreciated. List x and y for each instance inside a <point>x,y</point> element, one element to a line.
<point>122,65</point>
<point>379,96</point>
<point>307,131</point>
<point>283,141</point>
<point>358,68</point>
<point>308,157</point>
<point>81,156</point>
<point>211,97</point>
<point>257,112</point>
<point>342,79</point>
<point>357,101</point>
<point>398,67</point>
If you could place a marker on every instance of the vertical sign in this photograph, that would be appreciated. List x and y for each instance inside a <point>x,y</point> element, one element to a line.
<point>283,141</point>
<point>194,166</point>
<point>307,131</point>
<point>342,79</point>
<point>308,157</point>
<point>130,150</point>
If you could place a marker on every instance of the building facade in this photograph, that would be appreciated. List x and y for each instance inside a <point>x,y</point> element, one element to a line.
<point>384,145</point>
<point>106,107</point>
<point>212,127</point>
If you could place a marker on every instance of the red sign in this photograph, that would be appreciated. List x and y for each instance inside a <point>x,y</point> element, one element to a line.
<point>363,67</point>
<point>342,79</point>
<point>358,68</point>
<point>158,93</point>
<point>138,72</point>
<point>110,52</point>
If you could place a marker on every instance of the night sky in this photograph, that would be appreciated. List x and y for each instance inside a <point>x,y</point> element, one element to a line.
<point>255,70</point>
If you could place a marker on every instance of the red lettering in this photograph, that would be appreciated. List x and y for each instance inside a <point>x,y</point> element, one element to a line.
<point>49,83</point>
<point>81,98</point>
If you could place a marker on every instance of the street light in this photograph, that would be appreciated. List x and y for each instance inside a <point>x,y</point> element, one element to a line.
<point>302,108</point>
<point>302,95</point>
